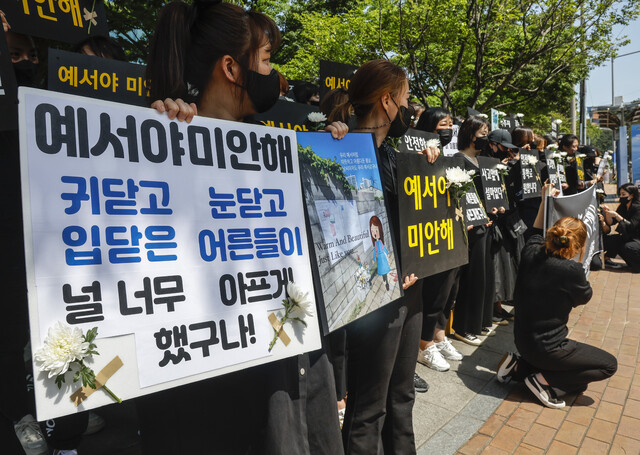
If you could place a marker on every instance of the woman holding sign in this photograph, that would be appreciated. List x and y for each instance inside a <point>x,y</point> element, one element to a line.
<point>438,291</point>
<point>626,242</point>
<point>474,304</point>
<point>550,284</point>
<point>218,55</point>
<point>383,345</point>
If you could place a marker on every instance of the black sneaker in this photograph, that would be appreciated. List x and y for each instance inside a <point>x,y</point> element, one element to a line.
<point>420,384</point>
<point>506,315</point>
<point>544,393</point>
<point>498,319</point>
<point>506,365</point>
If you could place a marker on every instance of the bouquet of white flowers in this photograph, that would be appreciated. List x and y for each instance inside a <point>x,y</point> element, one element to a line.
<point>459,181</point>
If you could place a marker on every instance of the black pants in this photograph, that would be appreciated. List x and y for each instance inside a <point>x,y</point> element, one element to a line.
<point>438,294</point>
<point>615,245</point>
<point>382,351</point>
<point>569,367</point>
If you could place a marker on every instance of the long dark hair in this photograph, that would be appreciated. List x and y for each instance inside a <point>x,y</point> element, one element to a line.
<point>469,129</point>
<point>521,136</point>
<point>190,39</point>
<point>431,117</point>
<point>631,189</point>
<point>372,80</point>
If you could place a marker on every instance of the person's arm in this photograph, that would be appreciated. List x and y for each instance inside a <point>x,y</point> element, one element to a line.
<point>539,221</point>
<point>579,287</point>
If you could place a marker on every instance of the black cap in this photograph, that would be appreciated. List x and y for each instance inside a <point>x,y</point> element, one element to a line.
<point>502,137</point>
<point>588,150</point>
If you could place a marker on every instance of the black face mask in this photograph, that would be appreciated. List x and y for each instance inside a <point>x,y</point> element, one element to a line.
<point>534,145</point>
<point>401,123</point>
<point>25,73</point>
<point>482,143</point>
<point>623,200</point>
<point>445,136</point>
<point>263,90</point>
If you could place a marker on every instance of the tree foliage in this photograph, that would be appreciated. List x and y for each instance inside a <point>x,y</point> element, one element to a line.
<point>513,55</point>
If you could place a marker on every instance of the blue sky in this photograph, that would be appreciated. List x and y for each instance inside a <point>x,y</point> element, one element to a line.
<point>625,68</point>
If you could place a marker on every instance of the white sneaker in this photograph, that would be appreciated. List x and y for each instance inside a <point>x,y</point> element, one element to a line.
<point>448,351</point>
<point>30,436</point>
<point>432,358</point>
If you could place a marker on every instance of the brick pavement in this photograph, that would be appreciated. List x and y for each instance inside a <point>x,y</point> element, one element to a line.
<point>606,418</point>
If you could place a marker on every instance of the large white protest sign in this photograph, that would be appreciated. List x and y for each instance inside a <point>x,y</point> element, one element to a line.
<point>176,240</point>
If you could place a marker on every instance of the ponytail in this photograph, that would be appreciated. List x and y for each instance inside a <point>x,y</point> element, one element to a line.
<point>189,41</point>
<point>167,56</point>
<point>566,237</point>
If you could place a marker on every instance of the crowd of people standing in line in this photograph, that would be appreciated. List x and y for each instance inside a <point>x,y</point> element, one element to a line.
<point>212,59</point>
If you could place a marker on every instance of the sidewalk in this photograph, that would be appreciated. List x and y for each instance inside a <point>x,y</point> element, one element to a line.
<point>605,419</point>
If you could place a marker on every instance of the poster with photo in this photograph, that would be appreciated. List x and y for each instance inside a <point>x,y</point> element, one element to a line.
<point>350,230</point>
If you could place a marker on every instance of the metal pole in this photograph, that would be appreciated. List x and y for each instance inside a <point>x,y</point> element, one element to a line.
<point>612,82</point>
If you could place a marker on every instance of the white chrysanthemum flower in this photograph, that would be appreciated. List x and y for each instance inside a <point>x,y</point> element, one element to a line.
<point>62,346</point>
<point>457,176</point>
<point>317,117</point>
<point>600,190</point>
<point>563,154</point>
<point>529,160</point>
<point>552,146</point>
<point>502,113</point>
<point>471,172</point>
<point>300,298</point>
<point>483,115</point>
<point>433,143</point>
<point>581,155</point>
<point>501,167</point>
<point>519,115</point>
<point>558,121</point>
<point>554,156</point>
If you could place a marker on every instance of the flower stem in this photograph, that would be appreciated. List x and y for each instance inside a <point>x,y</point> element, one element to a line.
<point>113,395</point>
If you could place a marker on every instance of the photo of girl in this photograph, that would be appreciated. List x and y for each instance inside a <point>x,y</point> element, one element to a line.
<point>381,254</point>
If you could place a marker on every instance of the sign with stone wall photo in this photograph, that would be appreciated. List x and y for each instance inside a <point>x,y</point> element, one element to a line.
<point>349,226</point>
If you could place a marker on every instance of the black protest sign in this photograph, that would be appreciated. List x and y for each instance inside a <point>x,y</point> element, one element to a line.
<point>495,192</point>
<point>8,89</point>
<point>580,167</point>
<point>289,115</point>
<point>530,169</point>
<point>553,159</point>
<point>415,141</point>
<point>334,75</point>
<point>431,232</point>
<point>583,206</point>
<point>95,77</point>
<point>507,123</point>
<point>474,213</point>
<point>70,21</point>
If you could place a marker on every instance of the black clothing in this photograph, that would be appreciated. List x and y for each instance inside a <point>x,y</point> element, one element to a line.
<point>438,294</point>
<point>626,243</point>
<point>630,227</point>
<point>382,348</point>
<point>547,288</point>
<point>474,303</point>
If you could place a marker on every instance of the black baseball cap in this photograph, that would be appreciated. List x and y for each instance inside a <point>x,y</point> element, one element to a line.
<point>502,137</point>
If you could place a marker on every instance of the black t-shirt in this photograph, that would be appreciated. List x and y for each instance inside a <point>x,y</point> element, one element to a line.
<point>630,228</point>
<point>547,288</point>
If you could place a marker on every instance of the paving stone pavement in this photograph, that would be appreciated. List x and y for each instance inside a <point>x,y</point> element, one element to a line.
<point>604,419</point>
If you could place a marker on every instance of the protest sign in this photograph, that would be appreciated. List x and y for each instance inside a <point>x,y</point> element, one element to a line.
<point>452,147</point>
<point>495,192</point>
<point>176,240</point>
<point>289,115</point>
<point>432,237</point>
<point>350,229</point>
<point>507,123</point>
<point>415,141</point>
<point>8,89</point>
<point>474,212</point>
<point>334,75</point>
<point>583,206</point>
<point>530,168</point>
<point>553,163</point>
<point>68,21</point>
<point>95,77</point>
<point>495,119</point>
<point>580,168</point>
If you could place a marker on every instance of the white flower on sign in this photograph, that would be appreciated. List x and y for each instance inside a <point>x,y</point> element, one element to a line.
<point>483,115</point>
<point>502,113</point>
<point>563,154</point>
<point>501,167</point>
<point>600,191</point>
<point>301,301</point>
<point>552,146</point>
<point>558,121</point>
<point>581,155</point>
<point>317,117</point>
<point>519,115</point>
<point>62,346</point>
<point>555,156</point>
<point>433,143</point>
<point>529,160</point>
